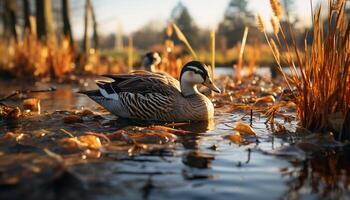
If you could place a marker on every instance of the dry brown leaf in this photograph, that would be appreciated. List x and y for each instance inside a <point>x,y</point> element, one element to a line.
<point>265,99</point>
<point>235,138</point>
<point>150,137</point>
<point>81,142</point>
<point>164,128</point>
<point>244,128</point>
<point>32,104</point>
<point>90,141</point>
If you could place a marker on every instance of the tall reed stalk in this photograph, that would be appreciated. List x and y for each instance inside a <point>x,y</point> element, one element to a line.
<point>130,53</point>
<point>212,39</point>
<point>240,56</point>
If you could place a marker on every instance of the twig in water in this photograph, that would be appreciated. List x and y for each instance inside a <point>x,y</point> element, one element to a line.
<point>251,117</point>
<point>17,92</point>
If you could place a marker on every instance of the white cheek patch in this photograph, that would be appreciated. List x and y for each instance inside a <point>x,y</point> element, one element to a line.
<point>192,77</point>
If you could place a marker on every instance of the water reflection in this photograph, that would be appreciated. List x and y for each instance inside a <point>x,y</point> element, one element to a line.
<point>198,159</point>
<point>325,174</point>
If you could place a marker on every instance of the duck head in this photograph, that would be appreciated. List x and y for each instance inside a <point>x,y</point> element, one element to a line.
<point>195,73</point>
<point>151,60</point>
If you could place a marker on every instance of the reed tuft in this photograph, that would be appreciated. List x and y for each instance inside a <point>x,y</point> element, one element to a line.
<point>275,25</point>
<point>261,23</point>
<point>276,8</point>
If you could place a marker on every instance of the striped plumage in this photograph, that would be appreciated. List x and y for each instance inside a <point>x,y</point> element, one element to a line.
<point>157,96</point>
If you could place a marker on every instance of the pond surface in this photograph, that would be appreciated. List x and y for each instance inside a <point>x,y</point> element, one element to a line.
<point>198,165</point>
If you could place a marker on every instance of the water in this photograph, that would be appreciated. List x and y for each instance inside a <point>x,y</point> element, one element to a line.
<point>199,165</point>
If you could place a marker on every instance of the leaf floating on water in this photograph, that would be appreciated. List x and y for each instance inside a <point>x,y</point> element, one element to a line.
<point>144,136</point>
<point>91,141</point>
<point>244,128</point>
<point>32,104</point>
<point>164,128</point>
<point>81,142</point>
<point>235,138</point>
<point>265,99</point>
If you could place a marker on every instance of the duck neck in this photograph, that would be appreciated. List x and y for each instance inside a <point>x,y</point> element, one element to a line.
<point>151,68</point>
<point>188,89</point>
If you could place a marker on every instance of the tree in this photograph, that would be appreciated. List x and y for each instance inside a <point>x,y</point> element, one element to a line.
<point>90,15</point>
<point>94,27</point>
<point>181,17</point>
<point>10,19</point>
<point>86,40</point>
<point>147,36</point>
<point>44,19</point>
<point>67,30</point>
<point>26,15</point>
<point>236,18</point>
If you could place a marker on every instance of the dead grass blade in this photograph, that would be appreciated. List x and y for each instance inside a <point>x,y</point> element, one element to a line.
<point>183,38</point>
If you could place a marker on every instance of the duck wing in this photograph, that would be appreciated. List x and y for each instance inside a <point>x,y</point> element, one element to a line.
<point>141,82</point>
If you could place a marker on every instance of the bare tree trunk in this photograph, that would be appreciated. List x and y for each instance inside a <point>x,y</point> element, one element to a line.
<point>10,18</point>
<point>4,18</point>
<point>86,41</point>
<point>44,19</point>
<point>26,16</point>
<point>67,29</point>
<point>95,33</point>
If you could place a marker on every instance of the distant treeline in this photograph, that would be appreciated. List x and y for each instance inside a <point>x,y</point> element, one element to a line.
<point>52,19</point>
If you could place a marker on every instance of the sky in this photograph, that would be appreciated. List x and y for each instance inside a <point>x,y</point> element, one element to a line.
<point>130,15</point>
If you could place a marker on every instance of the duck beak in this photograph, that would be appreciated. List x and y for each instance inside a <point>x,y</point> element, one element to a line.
<point>209,83</point>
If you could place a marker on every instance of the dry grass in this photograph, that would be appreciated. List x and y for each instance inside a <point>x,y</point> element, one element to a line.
<point>31,58</point>
<point>320,72</point>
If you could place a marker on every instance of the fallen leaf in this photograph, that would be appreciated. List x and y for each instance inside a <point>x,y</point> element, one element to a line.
<point>32,104</point>
<point>244,128</point>
<point>235,138</point>
<point>90,141</point>
<point>265,99</point>
<point>164,128</point>
<point>144,136</point>
<point>81,142</point>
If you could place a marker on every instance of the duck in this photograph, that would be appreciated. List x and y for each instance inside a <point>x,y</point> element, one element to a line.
<point>150,61</point>
<point>150,96</point>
